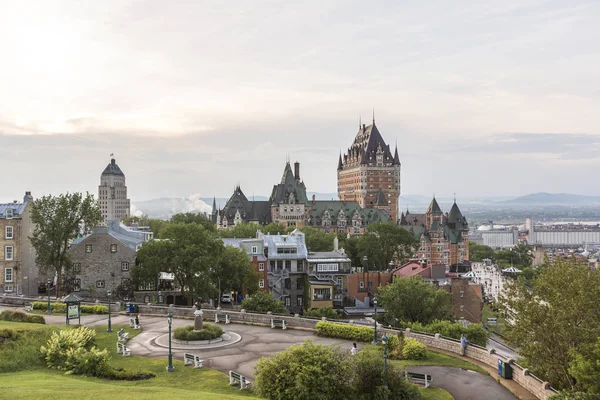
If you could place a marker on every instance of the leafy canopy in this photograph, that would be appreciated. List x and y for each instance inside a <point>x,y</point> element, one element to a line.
<point>264,302</point>
<point>383,241</point>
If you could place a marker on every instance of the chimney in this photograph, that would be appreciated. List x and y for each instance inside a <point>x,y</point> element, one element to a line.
<point>314,200</point>
<point>297,171</point>
<point>336,244</point>
<point>27,197</point>
<point>364,127</point>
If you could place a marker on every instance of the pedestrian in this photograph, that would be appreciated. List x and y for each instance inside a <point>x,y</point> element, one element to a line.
<point>137,322</point>
<point>354,349</point>
<point>463,344</point>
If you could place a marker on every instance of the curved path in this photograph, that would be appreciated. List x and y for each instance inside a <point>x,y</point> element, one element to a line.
<point>258,341</point>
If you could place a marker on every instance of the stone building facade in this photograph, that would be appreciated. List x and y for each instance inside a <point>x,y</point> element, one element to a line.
<point>255,250</point>
<point>101,261</point>
<point>18,272</point>
<point>112,193</point>
<point>369,173</point>
<point>443,237</point>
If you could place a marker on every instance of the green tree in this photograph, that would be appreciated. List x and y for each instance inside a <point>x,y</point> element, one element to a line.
<point>274,228</point>
<point>236,270</point>
<point>240,231</point>
<point>414,300</point>
<point>190,252</point>
<point>586,370</point>
<point>264,302</point>
<point>554,320</point>
<point>327,312</point>
<point>479,252</point>
<point>194,218</point>
<point>350,246</point>
<point>383,241</point>
<point>58,220</point>
<point>317,240</point>
<point>307,371</point>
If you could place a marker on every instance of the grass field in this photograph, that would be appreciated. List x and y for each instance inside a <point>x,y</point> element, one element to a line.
<point>434,358</point>
<point>37,382</point>
<point>488,313</point>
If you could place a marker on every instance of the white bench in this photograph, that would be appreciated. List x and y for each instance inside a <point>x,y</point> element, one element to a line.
<point>29,308</point>
<point>132,324</point>
<point>222,318</point>
<point>189,358</point>
<point>122,335</point>
<point>278,322</point>
<point>235,378</point>
<point>123,350</point>
<point>421,379</point>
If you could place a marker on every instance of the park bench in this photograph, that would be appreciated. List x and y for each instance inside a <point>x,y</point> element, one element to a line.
<point>122,335</point>
<point>122,349</point>
<point>132,324</point>
<point>235,378</point>
<point>421,379</point>
<point>221,318</point>
<point>189,358</point>
<point>278,322</point>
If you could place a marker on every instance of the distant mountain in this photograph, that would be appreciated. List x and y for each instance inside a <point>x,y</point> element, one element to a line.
<point>551,199</point>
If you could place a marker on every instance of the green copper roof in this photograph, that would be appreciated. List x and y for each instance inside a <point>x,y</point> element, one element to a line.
<point>112,169</point>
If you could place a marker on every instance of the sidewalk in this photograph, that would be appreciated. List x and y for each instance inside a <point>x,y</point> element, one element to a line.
<point>511,385</point>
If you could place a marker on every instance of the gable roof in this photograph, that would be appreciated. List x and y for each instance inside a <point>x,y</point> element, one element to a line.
<point>381,200</point>
<point>434,207</point>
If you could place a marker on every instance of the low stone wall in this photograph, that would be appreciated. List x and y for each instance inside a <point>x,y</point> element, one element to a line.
<point>522,376</point>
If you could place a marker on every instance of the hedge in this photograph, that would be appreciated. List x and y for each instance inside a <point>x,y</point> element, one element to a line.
<point>62,308</point>
<point>350,332</point>
<point>475,333</point>
<point>208,332</point>
<point>18,316</point>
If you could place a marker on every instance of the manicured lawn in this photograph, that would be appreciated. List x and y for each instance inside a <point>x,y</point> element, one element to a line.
<point>488,313</point>
<point>433,393</point>
<point>434,358</point>
<point>21,326</point>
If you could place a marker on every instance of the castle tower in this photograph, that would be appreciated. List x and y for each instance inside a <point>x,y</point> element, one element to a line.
<point>112,193</point>
<point>368,168</point>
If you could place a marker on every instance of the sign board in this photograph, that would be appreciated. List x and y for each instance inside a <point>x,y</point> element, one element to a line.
<point>109,292</point>
<point>492,321</point>
<point>73,311</point>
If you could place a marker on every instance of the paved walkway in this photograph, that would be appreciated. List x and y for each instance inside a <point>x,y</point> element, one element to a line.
<point>258,341</point>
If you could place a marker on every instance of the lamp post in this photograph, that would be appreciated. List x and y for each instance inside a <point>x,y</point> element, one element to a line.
<point>48,283</point>
<point>375,323</point>
<point>109,293</point>
<point>384,339</point>
<point>170,366</point>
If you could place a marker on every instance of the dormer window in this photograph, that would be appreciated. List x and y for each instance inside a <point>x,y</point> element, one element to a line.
<point>9,213</point>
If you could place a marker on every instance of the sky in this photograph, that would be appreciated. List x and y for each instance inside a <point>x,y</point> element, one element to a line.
<point>483,98</point>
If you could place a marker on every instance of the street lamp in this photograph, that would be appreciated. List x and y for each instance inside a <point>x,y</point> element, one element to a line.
<point>109,293</point>
<point>375,324</point>
<point>170,366</point>
<point>384,339</point>
<point>48,283</point>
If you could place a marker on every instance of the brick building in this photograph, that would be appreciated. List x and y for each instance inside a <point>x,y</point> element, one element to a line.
<point>365,284</point>
<point>443,237</point>
<point>467,299</point>
<point>19,274</point>
<point>369,174</point>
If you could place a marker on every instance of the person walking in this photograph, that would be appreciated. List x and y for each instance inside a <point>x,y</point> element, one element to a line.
<point>463,345</point>
<point>354,349</point>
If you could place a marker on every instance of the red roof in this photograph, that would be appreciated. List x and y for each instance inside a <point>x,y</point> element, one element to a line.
<point>413,268</point>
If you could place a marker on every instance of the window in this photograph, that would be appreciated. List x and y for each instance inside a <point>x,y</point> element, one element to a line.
<point>9,232</point>
<point>9,213</point>
<point>88,248</point>
<point>299,301</point>
<point>76,285</point>
<point>327,267</point>
<point>261,284</point>
<point>8,275</point>
<point>254,250</point>
<point>8,253</point>
<point>462,308</point>
<point>462,293</point>
<point>362,285</point>
<point>288,302</point>
<point>76,267</point>
<point>288,283</point>
<point>99,284</point>
<point>288,265</point>
<point>322,294</point>
<point>124,266</point>
<point>299,283</point>
<point>339,282</point>
<point>8,288</point>
<point>279,264</point>
<point>113,248</point>
<point>261,266</point>
<point>370,284</point>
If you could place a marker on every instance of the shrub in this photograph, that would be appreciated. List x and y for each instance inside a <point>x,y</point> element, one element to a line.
<point>264,302</point>
<point>475,333</point>
<point>62,307</point>
<point>368,384</point>
<point>55,351</point>
<point>209,331</point>
<point>326,312</point>
<point>350,332</point>
<point>413,350</point>
<point>306,371</point>
<point>18,316</point>
<point>394,347</point>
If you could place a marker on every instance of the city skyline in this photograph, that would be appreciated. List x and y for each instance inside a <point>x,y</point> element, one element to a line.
<point>198,98</point>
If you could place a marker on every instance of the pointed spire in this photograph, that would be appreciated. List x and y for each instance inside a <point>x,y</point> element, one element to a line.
<point>373,115</point>
<point>214,207</point>
<point>340,164</point>
<point>396,158</point>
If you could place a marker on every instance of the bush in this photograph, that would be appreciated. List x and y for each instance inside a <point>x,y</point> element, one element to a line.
<point>475,333</point>
<point>18,316</point>
<point>209,332</point>
<point>413,350</point>
<point>350,332</point>
<point>58,351</point>
<point>62,308</point>
<point>326,312</point>
<point>264,302</point>
<point>394,347</point>
<point>369,378</point>
<point>307,371</point>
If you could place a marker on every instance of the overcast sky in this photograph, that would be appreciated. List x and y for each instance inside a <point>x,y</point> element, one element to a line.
<point>482,97</point>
